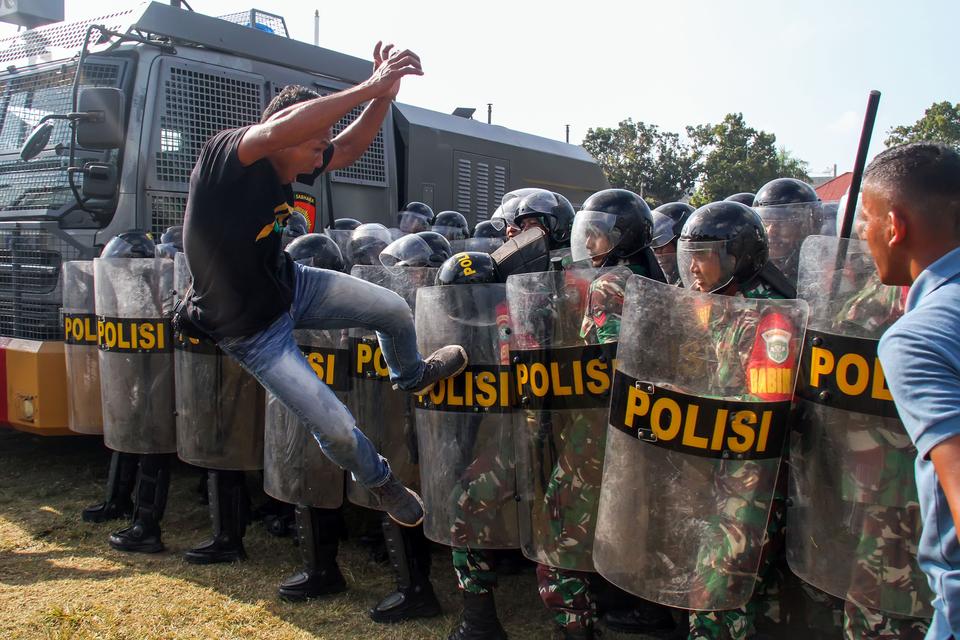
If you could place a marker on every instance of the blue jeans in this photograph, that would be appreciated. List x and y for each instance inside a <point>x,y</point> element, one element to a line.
<point>330,300</point>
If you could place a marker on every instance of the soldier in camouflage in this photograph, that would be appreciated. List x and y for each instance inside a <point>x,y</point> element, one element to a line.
<point>614,227</point>
<point>723,250</point>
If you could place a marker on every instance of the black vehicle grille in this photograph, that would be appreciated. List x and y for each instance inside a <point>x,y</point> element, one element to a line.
<point>30,294</point>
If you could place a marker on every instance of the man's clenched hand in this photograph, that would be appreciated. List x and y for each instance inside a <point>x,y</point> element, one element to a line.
<point>389,67</point>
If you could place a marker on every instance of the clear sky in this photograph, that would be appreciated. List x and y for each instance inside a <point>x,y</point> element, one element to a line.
<point>801,70</point>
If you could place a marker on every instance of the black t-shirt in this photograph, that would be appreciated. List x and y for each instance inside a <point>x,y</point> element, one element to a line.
<point>232,228</point>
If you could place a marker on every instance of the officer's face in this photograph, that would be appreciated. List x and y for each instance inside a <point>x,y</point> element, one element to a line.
<point>598,246</point>
<point>705,268</point>
<point>531,223</point>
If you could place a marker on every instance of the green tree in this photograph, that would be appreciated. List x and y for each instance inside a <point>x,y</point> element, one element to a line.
<point>733,157</point>
<point>940,123</point>
<point>644,159</point>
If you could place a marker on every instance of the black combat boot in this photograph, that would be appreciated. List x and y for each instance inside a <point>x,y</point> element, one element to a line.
<point>478,620</point>
<point>153,482</point>
<point>319,533</point>
<point>409,553</point>
<point>643,617</point>
<point>229,510</point>
<point>121,479</point>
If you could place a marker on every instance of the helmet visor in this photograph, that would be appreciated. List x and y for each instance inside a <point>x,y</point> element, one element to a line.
<point>664,230</point>
<point>408,251</point>
<point>412,222</point>
<point>705,266</point>
<point>482,245</point>
<point>787,226</point>
<point>594,235</point>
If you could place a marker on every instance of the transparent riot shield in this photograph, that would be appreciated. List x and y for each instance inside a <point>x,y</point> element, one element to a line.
<point>84,412</point>
<point>295,469</point>
<point>384,414</point>
<point>464,423</point>
<point>563,341</point>
<point>134,303</point>
<point>699,411</point>
<point>219,405</point>
<point>854,515</point>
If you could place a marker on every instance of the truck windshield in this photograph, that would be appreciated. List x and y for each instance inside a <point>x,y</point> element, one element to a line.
<point>24,99</point>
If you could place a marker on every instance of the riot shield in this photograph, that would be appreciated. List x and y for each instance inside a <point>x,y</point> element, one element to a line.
<point>563,341</point>
<point>698,422</point>
<point>463,424</point>
<point>134,302</point>
<point>384,414</point>
<point>219,405</point>
<point>84,412</point>
<point>854,516</point>
<point>295,469</point>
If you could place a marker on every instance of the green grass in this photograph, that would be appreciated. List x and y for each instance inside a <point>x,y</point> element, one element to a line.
<point>60,579</point>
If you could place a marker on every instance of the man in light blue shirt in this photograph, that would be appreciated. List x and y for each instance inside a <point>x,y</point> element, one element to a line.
<point>911,212</point>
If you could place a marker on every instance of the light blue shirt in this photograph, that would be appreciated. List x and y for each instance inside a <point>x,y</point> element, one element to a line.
<point>920,354</point>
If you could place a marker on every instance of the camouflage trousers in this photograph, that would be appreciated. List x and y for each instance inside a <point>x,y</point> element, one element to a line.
<point>474,570</point>
<point>567,595</point>
<point>485,486</point>
<point>740,517</point>
<point>566,524</point>
<point>861,623</point>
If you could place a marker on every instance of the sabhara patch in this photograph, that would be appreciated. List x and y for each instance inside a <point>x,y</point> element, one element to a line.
<point>778,344</point>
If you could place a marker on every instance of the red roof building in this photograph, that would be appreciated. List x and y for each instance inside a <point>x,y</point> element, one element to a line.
<point>833,190</point>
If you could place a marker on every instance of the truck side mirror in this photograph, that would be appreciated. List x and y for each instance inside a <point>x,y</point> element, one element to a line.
<point>100,125</point>
<point>36,141</point>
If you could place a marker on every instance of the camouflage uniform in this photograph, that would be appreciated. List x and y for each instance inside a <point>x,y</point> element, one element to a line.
<point>885,512</point>
<point>572,495</point>
<point>484,491</point>
<point>740,517</point>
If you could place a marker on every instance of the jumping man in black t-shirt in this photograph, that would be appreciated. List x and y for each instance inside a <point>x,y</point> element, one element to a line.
<point>249,295</point>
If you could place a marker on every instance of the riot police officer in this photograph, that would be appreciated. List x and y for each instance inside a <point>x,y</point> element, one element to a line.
<point>791,211</point>
<point>668,220</point>
<point>366,243</point>
<point>744,197</point>
<point>452,225</point>
<point>143,431</point>
<point>415,217</point>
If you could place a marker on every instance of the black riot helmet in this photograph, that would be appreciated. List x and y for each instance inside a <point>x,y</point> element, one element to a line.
<point>493,228</point>
<point>296,226</point>
<point>507,210</point>
<point>791,211</point>
<point>317,250</point>
<point>130,244</point>
<point>366,243</point>
<point>721,243</point>
<point>414,217</point>
<point>411,250</point>
<point>744,197</point>
<point>612,224</point>
<point>452,225</point>
<point>668,221</point>
<point>439,244</point>
<point>346,224</point>
<point>468,267</point>
<point>552,210</point>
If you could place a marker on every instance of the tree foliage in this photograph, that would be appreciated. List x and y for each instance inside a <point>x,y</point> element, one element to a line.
<point>644,159</point>
<point>940,123</point>
<point>735,157</point>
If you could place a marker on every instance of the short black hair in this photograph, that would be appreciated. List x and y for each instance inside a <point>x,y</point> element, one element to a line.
<point>290,95</point>
<point>920,176</point>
